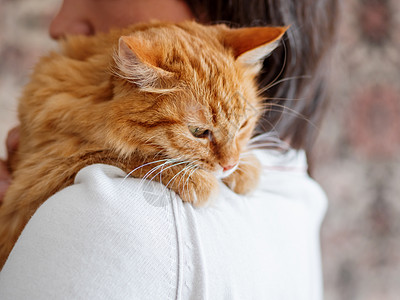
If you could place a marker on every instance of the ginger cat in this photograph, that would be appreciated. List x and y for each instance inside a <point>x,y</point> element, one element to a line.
<point>176,99</point>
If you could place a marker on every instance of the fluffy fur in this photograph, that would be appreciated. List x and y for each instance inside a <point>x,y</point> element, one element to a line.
<point>178,100</point>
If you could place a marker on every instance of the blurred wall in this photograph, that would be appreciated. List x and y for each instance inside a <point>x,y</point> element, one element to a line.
<point>23,38</point>
<point>357,155</point>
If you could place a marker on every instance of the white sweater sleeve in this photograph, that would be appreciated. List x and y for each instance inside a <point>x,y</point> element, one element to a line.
<point>89,242</point>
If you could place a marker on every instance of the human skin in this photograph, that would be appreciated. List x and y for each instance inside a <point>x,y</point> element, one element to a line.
<point>5,176</point>
<point>87,17</point>
<point>91,16</point>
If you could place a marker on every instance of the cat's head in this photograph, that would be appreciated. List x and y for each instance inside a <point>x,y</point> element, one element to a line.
<point>188,92</point>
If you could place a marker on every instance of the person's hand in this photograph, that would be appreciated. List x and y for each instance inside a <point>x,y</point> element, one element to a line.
<point>5,176</point>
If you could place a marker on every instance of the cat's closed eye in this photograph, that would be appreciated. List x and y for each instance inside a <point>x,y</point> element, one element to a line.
<point>199,132</point>
<point>244,124</point>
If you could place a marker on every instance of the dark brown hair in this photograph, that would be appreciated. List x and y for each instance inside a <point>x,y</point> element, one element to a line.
<point>298,68</point>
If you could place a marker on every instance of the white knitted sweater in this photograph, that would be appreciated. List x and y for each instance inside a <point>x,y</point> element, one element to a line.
<point>109,238</point>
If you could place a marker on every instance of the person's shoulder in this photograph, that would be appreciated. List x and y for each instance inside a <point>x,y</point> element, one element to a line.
<point>105,185</point>
<point>105,223</point>
<point>106,195</point>
<point>285,174</point>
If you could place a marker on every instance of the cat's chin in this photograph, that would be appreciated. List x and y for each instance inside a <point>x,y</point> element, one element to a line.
<point>220,173</point>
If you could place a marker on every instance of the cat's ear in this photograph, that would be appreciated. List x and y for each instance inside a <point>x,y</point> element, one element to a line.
<point>252,44</point>
<point>137,62</point>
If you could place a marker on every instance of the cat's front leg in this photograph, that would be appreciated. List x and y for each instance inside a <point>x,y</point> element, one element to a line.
<point>198,187</point>
<point>246,177</point>
<point>192,184</point>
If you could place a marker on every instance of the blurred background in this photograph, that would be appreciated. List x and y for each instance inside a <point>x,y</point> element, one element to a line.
<point>357,155</point>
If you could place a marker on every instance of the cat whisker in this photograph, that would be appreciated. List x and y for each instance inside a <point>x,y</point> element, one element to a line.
<point>267,107</point>
<point>175,176</point>
<point>162,169</point>
<point>271,135</point>
<point>264,89</point>
<point>291,112</point>
<point>268,140</point>
<point>280,144</point>
<point>245,154</point>
<point>173,179</point>
<point>269,145</point>
<point>141,166</point>
<point>263,126</point>
<point>188,169</point>
<point>185,169</point>
<point>187,180</point>
<point>178,160</point>
<point>151,171</point>
<point>161,166</point>
<point>280,99</point>
<point>283,66</point>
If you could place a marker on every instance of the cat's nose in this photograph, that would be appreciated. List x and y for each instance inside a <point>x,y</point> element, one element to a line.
<point>228,167</point>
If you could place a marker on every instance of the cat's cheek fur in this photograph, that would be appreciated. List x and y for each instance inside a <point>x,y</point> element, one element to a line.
<point>246,178</point>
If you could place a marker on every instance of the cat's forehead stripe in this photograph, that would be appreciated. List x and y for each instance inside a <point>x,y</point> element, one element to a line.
<point>226,114</point>
<point>154,123</point>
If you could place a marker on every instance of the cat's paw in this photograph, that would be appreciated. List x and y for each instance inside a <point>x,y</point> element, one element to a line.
<point>200,189</point>
<point>246,177</point>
